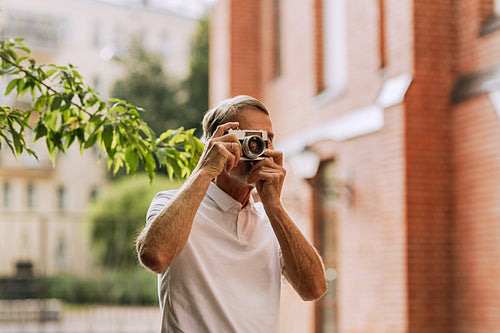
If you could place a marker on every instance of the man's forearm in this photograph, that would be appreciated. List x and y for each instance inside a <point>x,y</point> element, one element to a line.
<point>165,237</point>
<point>303,267</point>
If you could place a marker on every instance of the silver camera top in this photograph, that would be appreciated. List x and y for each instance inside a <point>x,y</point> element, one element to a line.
<point>253,143</point>
<point>241,134</point>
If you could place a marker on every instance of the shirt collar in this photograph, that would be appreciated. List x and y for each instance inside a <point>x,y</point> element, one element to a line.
<point>224,200</point>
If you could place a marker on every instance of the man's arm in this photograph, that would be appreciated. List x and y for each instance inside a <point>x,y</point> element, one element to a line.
<point>164,238</point>
<point>303,267</point>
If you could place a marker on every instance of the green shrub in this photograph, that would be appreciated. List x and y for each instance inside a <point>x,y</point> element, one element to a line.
<point>117,217</point>
<point>131,287</point>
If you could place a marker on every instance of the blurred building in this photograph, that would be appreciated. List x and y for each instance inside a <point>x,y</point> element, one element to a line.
<point>41,207</point>
<point>388,114</point>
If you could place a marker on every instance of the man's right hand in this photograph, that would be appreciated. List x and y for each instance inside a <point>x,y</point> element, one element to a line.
<point>222,151</point>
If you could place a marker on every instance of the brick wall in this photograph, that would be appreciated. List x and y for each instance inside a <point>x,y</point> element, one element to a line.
<point>418,246</point>
<point>428,168</point>
<point>372,271</point>
<point>476,133</point>
<point>476,234</point>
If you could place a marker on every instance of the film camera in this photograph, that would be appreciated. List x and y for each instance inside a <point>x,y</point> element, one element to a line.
<point>253,143</point>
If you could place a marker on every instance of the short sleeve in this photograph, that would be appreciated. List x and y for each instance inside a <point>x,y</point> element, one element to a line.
<point>159,202</point>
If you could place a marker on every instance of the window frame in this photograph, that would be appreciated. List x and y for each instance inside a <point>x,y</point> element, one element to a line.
<point>332,55</point>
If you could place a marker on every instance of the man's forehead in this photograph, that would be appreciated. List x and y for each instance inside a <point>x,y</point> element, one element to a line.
<point>250,115</point>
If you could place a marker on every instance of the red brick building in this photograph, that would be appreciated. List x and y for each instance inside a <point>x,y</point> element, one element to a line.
<point>388,114</point>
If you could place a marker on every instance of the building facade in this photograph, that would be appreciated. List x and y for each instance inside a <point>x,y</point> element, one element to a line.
<point>388,114</point>
<point>42,208</point>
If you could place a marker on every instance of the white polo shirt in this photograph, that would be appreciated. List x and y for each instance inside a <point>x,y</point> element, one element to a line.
<point>228,276</point>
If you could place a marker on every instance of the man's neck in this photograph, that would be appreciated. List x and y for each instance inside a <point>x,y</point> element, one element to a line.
<point>237,190</point>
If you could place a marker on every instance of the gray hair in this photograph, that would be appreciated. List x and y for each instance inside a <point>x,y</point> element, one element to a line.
<point>226,111</point>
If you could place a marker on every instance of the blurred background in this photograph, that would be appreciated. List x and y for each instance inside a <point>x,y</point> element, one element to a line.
<point>67,255</point>
<point>387,112</point>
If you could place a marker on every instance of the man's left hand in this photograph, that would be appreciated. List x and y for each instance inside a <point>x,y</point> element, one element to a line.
<point>268,176</point>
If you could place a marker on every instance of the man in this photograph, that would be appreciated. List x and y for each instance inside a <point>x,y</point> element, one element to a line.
<point>219,254</point>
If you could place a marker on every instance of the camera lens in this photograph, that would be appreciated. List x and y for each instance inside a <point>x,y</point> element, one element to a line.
<point>253,146</point>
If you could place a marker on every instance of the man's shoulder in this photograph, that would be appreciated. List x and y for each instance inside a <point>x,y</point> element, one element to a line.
<point>166,194</point>
<point>159,201</point>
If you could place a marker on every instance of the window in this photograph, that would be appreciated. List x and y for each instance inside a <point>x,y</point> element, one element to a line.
<point>30,195</point>
<point>166,45</point>
<point>62,255</point>
<point>382,38</point>
<point>42,31</point>
<point>7,194</point>
<point>277,38</point>
<point>61,198</point>
<point>490,14</point>
<point>93,194</point>
<point>325,202</point>
<point>97,34</point>
<point>332,68</point>
<point>120,38</point>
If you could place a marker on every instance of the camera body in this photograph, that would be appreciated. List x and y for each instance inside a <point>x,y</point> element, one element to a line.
<point>253,143</point>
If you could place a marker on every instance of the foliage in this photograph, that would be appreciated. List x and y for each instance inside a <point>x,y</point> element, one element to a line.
<point>133,287</point>
<point>117,217</point>
<point>147,84</point>
<point>169,103</point>
<point>65,110</point>
<point>197,82</point>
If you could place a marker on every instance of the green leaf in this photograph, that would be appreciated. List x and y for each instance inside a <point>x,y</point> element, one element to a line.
<point>80,134</point>
<point>40,103</point>
<point>40,130</point>
<point>52,151</point>
<point>7,70</point>
<point>56,103</point>
<point>173,156</point>
<point>17,138</point>
<point>70,138</point>
<point>132,159</point>
<point>170,171</point>
<point>12,84</point>
<point>165,135</point>
<point>23,48</point>
<point>9,143</point>
<point>107,137</point>
<point>118,163</point>
<point>32,153</point>
<point>51,120</point>
<point>161,154</point>
<point>150,166</point>
<point>20,87</point>
<point>50,72</point>
<point>92,139</point>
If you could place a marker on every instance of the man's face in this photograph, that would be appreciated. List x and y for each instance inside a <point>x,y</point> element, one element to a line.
<point>251,119</point>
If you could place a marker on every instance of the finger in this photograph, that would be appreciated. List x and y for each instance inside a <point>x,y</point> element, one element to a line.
<point>230,161</point>
<point>222,129</point>
<point>276,155</point>
<point>268,177</point>
<point>266,162</point>
<point>265,173</point>
<point>269,161</point>
<point>235,148</point>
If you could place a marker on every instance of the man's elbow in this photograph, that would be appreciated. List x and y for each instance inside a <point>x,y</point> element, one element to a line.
<point>151,259</point>
<point>315,291</point>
